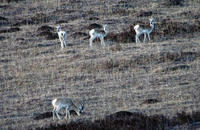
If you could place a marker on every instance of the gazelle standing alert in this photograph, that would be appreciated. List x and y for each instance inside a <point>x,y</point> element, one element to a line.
<point>95,33</point>
<point>62,37</point>
<point>139,31</point>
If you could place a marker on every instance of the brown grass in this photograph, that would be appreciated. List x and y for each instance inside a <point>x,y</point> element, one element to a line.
<point>149,82</point>
<point>174,2</point>
<point>127,120</point>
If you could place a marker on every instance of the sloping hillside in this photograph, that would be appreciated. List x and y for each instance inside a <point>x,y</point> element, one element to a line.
<point>160,77</point>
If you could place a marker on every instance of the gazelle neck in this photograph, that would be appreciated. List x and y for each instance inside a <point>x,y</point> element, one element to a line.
<point>152,27</point>
<point>106,31</point>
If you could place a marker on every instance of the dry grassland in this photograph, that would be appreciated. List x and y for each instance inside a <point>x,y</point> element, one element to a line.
<point>157,78</point>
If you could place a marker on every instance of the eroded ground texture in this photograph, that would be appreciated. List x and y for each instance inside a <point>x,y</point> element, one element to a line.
<point>123,85</point>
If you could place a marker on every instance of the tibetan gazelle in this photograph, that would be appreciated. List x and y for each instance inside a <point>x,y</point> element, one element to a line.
<point>96,33</point>
<point>62,37</point>
<point>68,104</point>
<point>146,31</point>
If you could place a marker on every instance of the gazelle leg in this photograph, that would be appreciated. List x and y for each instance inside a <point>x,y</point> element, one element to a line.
<point>67,113</point>
<point>149,37</point>
<point>78,113</point>
<point>53,113</point>
<point>91,41</point>
<point>145,37</point>
<point>65,41</point>
<point>102,41</point>
<point>137,39</point>
<point>58,109</point>
<point>62,46</point>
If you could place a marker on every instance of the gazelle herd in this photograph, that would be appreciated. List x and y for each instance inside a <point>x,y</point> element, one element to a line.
<point>97,33</point>
<point>68,103</point>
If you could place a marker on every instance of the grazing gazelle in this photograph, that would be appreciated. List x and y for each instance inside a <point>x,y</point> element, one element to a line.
<point>62,37</point>
<point>139,31</point>
<point>96,33</point>
<point>66,103</point>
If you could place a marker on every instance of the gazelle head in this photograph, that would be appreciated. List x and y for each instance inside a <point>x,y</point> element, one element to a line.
<point>106,30</point>
<point>81,108</point>
<point>59,28</point>
<point>152,21</point>
<point>105,27</point>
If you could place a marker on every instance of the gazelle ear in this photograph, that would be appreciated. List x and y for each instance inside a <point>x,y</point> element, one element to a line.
<point>58,28</point>
<point>105,25</point>
<point>81,108</point>
<point>151,19</point>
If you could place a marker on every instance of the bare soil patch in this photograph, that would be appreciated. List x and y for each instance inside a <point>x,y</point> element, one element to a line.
<point>127,120</point>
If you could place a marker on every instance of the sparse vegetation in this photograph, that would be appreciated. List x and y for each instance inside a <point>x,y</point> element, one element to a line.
<point>147,86</point>
<point>48,32</point>
<point>174,2</point>
<point>127,120</point>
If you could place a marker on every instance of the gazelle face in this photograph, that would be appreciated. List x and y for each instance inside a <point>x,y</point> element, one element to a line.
<point>151,21</point>
<point>105,26</point>
<point>58,28</point>
<point>81,108</point>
